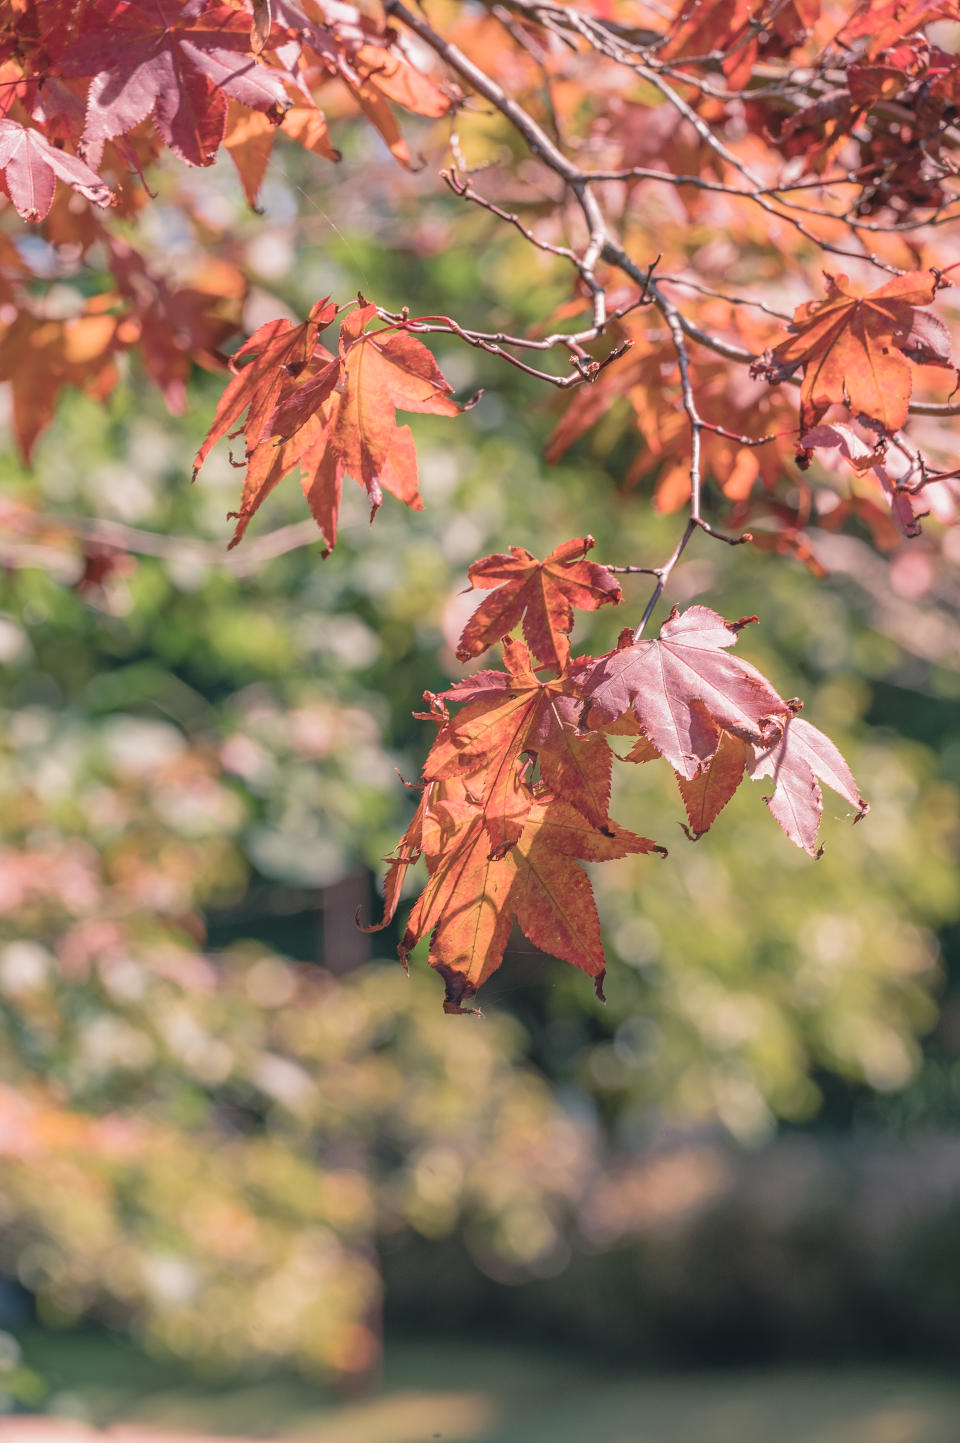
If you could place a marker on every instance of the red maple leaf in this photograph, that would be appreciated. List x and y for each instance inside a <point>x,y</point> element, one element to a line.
<point>682,688</point>
<point>541,593</point>
<point>175,59</point>
<point>801,755</point>
<point>175,326</point>
<point>277,354</point>
<point>31,167</point>
<point>887,22</point>
<point>367,58</point>
<point>905,506</point>
<point>732,29</point>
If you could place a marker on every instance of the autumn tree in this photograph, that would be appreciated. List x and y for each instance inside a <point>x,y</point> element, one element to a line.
<point>750,206</point>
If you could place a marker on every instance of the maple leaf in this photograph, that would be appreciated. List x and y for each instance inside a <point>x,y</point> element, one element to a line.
<point>40,356</point>
<point>732,29</point>
<point>854,349</point>
<point>250,135</point>
<point>706,794</point>
<point>31,167</point>
<point>682,687</point>
<point>248,140</point>
<point>648,378</point>
<point>801,755</point>
<point>642,749</point>
<point>471,899</point>
<point>464,905</point>
<point>353,427</point>
<point>339,41</point>
<point>377,76</point>
<point>267,466</point>
<point>276,353</point>
<point>861,458</point>
<point>307,125</point>
<point>175,59</point>
<point>392,74</point>
<point>333,416</point>
<point>381,373</point>
<point>509,715</point>
<point>886,22</point>
<point>368,60</point>
<point>541,593</point>
<point>176,326</point>
<point>408,851</point>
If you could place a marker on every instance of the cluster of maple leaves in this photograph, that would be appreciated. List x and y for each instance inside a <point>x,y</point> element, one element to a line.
<point>91,93</point>
<point>334,416</point>
<point>855,358</point>
<point>517,785</point>
<point>88,74</point>
<point>888,86</point>
<point>516,788</point>
<point>892,91</point>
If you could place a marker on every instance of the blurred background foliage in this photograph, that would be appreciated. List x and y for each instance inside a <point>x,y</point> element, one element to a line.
<point>231,1129</point>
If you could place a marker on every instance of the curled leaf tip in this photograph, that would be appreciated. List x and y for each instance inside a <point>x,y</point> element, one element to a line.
<point>369,926</point>
<point>456,991</point>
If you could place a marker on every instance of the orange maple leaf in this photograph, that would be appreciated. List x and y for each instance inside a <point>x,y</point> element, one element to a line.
<point>377,76</point>
<point>250,136</point>
<point>542,593</point>
<point>429,829</point>
<point>510,715</point>
<point>333,416</point>
<point>276,353</point>
<point>380,373</point>
<point>42,356</point>
<point>854,349</point>
<point>341,421</point>
<point>471,899</point>
<point>706,794</point>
